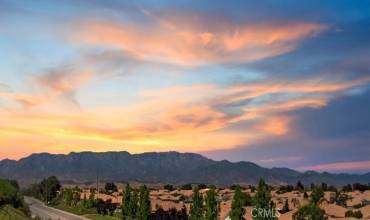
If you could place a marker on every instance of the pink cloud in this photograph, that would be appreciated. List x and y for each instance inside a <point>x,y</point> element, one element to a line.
<point>340,166</point>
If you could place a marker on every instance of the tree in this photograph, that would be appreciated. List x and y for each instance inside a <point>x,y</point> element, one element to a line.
<point>127,207</point>
<point>186,187</point>
<point>134,204</point>
<point>299,186</point>
<point>168,187</point>
<point>317,194</point>
<point>202,186</point>
<point>237,210</point>
<point>305,195</point>
<point>49,188</point>
<point>285,208</point>
<point>11,195</point>
<point>211,206</point>
<point>263,203</point>
<point>110,188</point>
<point>324,187</point>
<point>196,209</point>
<point>347,188</point>
<point>310,212</point>
<point>144,204</point>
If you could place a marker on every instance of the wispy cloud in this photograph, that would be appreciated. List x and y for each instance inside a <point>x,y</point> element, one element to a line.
<point>177,41</point>
<point>340,166</point>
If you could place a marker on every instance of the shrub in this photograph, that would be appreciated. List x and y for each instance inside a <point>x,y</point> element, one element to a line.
<point>186,187</point>
<point>354,214</point>
<point>168,187</point>
<point>310,212</point>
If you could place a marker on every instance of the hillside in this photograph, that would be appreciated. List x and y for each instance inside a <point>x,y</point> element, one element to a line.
<point>9,213</point>
<point>166,167</point>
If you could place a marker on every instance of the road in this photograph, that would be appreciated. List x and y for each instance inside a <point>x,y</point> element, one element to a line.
<point>45,212</point>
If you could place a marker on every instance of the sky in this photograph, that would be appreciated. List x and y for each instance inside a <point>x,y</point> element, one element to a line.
<point>278,83</point>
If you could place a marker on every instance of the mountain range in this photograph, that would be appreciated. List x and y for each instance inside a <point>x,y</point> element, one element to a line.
<point>165,167</point>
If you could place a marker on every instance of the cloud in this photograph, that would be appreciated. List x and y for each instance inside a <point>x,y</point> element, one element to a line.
<point>363,166</point>
<point>177,41</point>
<point>63,82</point>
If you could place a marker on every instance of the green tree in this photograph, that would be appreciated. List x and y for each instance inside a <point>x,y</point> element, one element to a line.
<point>211,206</point>
<point>263,203</point>
<point>10,195</point>
<point>144,204</point>
<point>237,210</point>
<point>317,194</point>
<point>126,202</point>
<point>196,209</point>
<point>134,204</point>
<point>299,186</point>
<point>110,188</point>
<point>168,187</point>
<point>91,201</point>
<point>186,187</point>
<point>49,188</point>
<point>310,212</point>
<point>285,208</point>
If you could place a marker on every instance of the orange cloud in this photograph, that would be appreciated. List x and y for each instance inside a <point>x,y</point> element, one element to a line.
<point>252,90</point>
<point>182,43</point>
<point>274,125</point>
<point>185,118</point>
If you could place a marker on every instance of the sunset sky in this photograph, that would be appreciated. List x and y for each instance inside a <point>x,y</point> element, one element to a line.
<point>278,83</point>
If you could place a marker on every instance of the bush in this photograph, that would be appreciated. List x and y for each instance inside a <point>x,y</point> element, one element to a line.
<point>310,212</point>
<point>360,187</point>
<point>354,214</point>
<point>168,187</point>
<point>186,187</point>
<point>202,186</point>
<point>10,195</point>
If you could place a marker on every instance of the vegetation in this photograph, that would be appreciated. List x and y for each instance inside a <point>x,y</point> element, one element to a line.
<point>186,187</point>
<point>172,213</point>
<point>354,214</point>
<point>285,189</point>
<point>299,186</point>
<point>285,208</point>
<point>237,206</point>
<point>211,205</point>
<point>136,205</point>
<point>168,187</point>
<point>144,204</point>
<point>263,202</point>
<point>110,188</point>
<point>46,190</point>
<point>360,187</point>
<point>11,198</point>
<point>8,212</point>
<point>310,212</point>
<point>196,209</point>
<point>317,194</point>
<point>102,217</point>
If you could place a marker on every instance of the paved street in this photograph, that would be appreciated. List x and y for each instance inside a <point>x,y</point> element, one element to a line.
<point>40,209</point>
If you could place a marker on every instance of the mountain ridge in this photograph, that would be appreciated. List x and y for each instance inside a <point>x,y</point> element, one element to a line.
<point>159,167</point>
